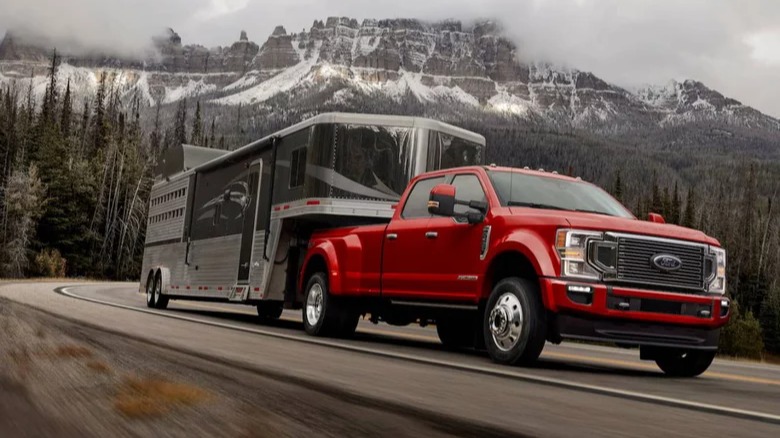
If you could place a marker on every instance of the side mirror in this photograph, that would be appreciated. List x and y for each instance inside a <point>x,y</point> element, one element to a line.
<point>655,217</point>
<point>442,200</point>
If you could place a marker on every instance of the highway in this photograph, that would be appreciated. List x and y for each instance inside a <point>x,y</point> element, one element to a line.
<point>575,389</point>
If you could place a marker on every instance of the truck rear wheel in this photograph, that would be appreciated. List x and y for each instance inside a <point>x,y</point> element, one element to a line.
<point>685,363</point>
<point>515,322</point>
<point>269,310</point>
<point>457,332</point>
<point>324,314</point>
<point>150,285</point>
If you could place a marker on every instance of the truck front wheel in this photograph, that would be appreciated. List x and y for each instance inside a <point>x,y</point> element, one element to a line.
<point>324,314</point>
<point>685,363</point>
<point>515,323</point>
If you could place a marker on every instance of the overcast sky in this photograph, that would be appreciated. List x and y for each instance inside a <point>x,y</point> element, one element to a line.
<point>732,46</point>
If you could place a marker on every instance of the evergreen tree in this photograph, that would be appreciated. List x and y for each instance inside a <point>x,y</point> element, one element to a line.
<point>666,209</point>
<point>656,202</point>
<point>197,127</point>
<point>180,128</point>
<point>689,217</point>
<point>67,112</point>
<point>618,188</point>
<point>675,208</point>
<point>212,139</point>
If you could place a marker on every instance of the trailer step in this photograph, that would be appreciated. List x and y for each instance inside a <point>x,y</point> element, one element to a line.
<point>239,293</point>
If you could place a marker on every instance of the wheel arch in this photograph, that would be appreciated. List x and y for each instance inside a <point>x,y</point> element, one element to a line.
<point>512,262</point>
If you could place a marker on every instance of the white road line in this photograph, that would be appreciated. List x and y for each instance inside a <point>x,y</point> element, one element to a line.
<point>668,401</point>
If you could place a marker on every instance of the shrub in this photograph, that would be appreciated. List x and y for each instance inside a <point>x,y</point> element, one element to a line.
<point>770,321</point>
<point>50,263</point>
<point>741,337</point>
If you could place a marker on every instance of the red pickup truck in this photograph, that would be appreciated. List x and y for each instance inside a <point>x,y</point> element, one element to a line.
<point>504,259</point>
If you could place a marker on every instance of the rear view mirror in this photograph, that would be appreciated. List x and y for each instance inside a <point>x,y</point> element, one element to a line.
<point>442,200</point>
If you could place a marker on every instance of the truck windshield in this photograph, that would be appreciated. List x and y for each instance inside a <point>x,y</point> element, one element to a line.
<point>524,190</point>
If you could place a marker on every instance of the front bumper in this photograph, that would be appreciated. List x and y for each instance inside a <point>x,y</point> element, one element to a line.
<point>634,316</point>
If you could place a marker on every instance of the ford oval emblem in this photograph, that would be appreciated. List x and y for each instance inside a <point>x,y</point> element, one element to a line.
<point>666,262</point>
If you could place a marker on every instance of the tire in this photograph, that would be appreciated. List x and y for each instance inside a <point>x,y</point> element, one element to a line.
<point>323,314</point>
<point>515,322</point>
<point>685,363</point>
<point>150,285</point>
<point>457,332</point>
<point>269,310</point>
<point>160,300</point>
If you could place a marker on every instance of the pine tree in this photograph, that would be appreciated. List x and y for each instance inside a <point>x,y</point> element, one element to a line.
<point>656,202</point>
<point>675,209</point>
<point>618,188</point>
<point>67,112</point>
<point>689,217</point>
<point>180,128</point>
<point>197,127</point>
<point>213,140</point>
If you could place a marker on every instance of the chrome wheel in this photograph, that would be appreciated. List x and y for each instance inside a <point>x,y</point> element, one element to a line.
<point>506,322</point>
<point>314,304</point>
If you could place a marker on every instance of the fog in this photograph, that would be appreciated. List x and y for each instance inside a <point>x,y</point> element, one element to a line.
<point>732,46</point>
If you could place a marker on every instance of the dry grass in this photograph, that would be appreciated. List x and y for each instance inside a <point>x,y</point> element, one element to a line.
<point>150,397</point>
<point>72,352</point>
<point>98,367</point>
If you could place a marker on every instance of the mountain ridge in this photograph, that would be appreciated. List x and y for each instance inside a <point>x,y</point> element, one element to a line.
<point>443,62</point>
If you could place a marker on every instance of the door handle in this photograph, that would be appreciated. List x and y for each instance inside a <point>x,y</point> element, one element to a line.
<point>392,236</point>
<point>431,234</point>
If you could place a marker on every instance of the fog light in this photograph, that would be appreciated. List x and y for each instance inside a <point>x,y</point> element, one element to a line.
<point>580,289</point>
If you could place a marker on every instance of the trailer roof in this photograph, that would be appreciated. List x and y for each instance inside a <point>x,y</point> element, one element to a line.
<point>194,155</point>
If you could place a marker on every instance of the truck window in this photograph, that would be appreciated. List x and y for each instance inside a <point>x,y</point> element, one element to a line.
<point>417,202</point>
<point>467,188</point>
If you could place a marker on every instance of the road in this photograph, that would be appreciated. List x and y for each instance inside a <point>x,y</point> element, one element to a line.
<point>582,389</point>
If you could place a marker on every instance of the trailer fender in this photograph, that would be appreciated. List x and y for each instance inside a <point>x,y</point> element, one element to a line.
<point>165,279</point>
<point>325,251</point>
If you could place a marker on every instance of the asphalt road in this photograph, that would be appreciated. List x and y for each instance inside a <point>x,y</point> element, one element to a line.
<point>575,389</point>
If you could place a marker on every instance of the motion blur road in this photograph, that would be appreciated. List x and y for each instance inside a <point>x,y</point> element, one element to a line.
<point>575,389</point>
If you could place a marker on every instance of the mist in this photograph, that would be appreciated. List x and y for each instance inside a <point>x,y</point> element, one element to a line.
<point>730,46</point>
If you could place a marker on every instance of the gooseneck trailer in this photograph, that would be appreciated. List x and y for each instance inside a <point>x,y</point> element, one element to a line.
<point>232,226</point>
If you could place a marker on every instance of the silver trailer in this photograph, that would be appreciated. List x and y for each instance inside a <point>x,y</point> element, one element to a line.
<point>232,226</point>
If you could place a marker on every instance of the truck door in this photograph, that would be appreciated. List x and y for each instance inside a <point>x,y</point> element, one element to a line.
<point>250,221</point>
<point>407,247</point>
<point>459,265</point>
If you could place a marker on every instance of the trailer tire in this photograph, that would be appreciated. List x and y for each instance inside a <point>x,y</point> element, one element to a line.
<point>324,314</point>
<point>515,322</point>
<point>160,300</point>
<point>151,281</point>
<point>269,310</point>
<point>457,332</point>
<point>685,363</point>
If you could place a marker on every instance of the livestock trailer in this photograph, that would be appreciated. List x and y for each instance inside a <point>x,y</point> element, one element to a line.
<point>233,226</point>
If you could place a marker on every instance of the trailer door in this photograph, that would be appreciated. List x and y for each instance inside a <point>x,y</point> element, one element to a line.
<point>250,220</point>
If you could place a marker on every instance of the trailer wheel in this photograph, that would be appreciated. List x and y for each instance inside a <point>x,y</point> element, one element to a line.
<point>457,332</point>
<point>685,363</point>
<point>323,314</point>
<point>269,310</point>
<point>150,286</point>
<point>160,300</point>
<point>514,323</point>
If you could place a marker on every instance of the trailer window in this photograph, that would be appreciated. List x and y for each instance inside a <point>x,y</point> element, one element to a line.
<point>417,202</point>
<point>447,151</point>
<point>297,167</point>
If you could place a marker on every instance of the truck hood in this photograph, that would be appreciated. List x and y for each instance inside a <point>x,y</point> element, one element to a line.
<point>597,222</point>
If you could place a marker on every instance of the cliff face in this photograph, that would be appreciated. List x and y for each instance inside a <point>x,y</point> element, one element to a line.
<point>476,66</point>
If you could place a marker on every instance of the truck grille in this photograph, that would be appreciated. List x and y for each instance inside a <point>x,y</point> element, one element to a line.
<point>635,263</point>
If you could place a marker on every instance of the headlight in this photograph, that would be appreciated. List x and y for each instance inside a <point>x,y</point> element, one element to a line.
<point>572,248</point>
<point>718,283</point>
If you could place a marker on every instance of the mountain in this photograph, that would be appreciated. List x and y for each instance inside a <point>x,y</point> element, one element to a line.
<point>474,67</point>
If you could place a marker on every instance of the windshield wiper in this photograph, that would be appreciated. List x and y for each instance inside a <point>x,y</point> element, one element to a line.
<point>553,207</point>
<point>534,205</point>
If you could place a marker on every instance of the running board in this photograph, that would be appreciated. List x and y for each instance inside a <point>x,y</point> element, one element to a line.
<point>435,305</point>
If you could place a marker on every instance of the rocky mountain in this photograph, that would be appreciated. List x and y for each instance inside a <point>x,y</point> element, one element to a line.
<point>473,67</point>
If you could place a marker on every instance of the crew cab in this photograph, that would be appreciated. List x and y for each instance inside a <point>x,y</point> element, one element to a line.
<point>505,259</point>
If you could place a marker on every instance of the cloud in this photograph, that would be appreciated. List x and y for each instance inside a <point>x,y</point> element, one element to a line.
<point>729,45</point>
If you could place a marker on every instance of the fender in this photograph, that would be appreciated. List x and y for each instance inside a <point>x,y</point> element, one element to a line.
<point>326,250</point>
<point>537,251</point>
<point>165,279</point>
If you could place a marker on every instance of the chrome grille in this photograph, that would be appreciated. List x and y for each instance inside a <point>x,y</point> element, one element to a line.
<point>635,266</point>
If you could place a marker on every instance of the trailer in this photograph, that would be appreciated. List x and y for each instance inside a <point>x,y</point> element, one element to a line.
<point>234,226</point>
